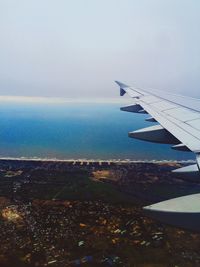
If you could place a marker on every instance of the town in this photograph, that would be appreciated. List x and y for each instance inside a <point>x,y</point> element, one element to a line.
<point>89,213</point>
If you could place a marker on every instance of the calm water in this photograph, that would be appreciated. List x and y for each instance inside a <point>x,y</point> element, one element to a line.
<point>64,131</point>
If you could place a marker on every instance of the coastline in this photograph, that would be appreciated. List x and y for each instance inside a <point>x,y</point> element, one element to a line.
<point>123,161</point>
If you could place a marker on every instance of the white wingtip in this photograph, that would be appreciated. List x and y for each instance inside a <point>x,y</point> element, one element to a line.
<point>121,85</point>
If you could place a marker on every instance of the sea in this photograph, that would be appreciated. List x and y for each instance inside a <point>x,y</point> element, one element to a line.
<point>75,130</point>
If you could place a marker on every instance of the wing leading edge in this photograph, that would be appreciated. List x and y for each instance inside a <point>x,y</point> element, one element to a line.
<point>178,120</point>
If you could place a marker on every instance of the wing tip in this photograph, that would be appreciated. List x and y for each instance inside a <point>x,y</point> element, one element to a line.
<point>121,85</point>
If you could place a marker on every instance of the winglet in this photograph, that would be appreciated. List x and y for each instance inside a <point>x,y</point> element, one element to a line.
<point>122,87</point>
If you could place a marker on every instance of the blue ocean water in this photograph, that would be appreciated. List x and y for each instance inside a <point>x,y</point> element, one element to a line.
<point>76,130</point>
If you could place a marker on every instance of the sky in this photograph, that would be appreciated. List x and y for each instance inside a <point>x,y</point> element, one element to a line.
<point>77,48</point>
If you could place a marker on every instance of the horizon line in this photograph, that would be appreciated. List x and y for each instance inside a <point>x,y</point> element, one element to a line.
<point>52,100</point>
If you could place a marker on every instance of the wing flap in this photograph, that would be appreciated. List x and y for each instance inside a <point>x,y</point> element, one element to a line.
<point>163,105</point>
<point>183,114</point>
<point>195,124</point>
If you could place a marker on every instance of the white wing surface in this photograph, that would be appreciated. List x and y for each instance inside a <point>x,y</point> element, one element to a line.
<point>178,120</point>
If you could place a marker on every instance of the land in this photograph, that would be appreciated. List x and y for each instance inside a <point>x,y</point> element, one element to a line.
<point>89,213</point>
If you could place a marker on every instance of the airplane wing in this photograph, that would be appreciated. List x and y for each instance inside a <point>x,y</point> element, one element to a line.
<point>178,120</point>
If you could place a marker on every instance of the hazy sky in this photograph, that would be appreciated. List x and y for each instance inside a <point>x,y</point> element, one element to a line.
<point>76,48</point>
